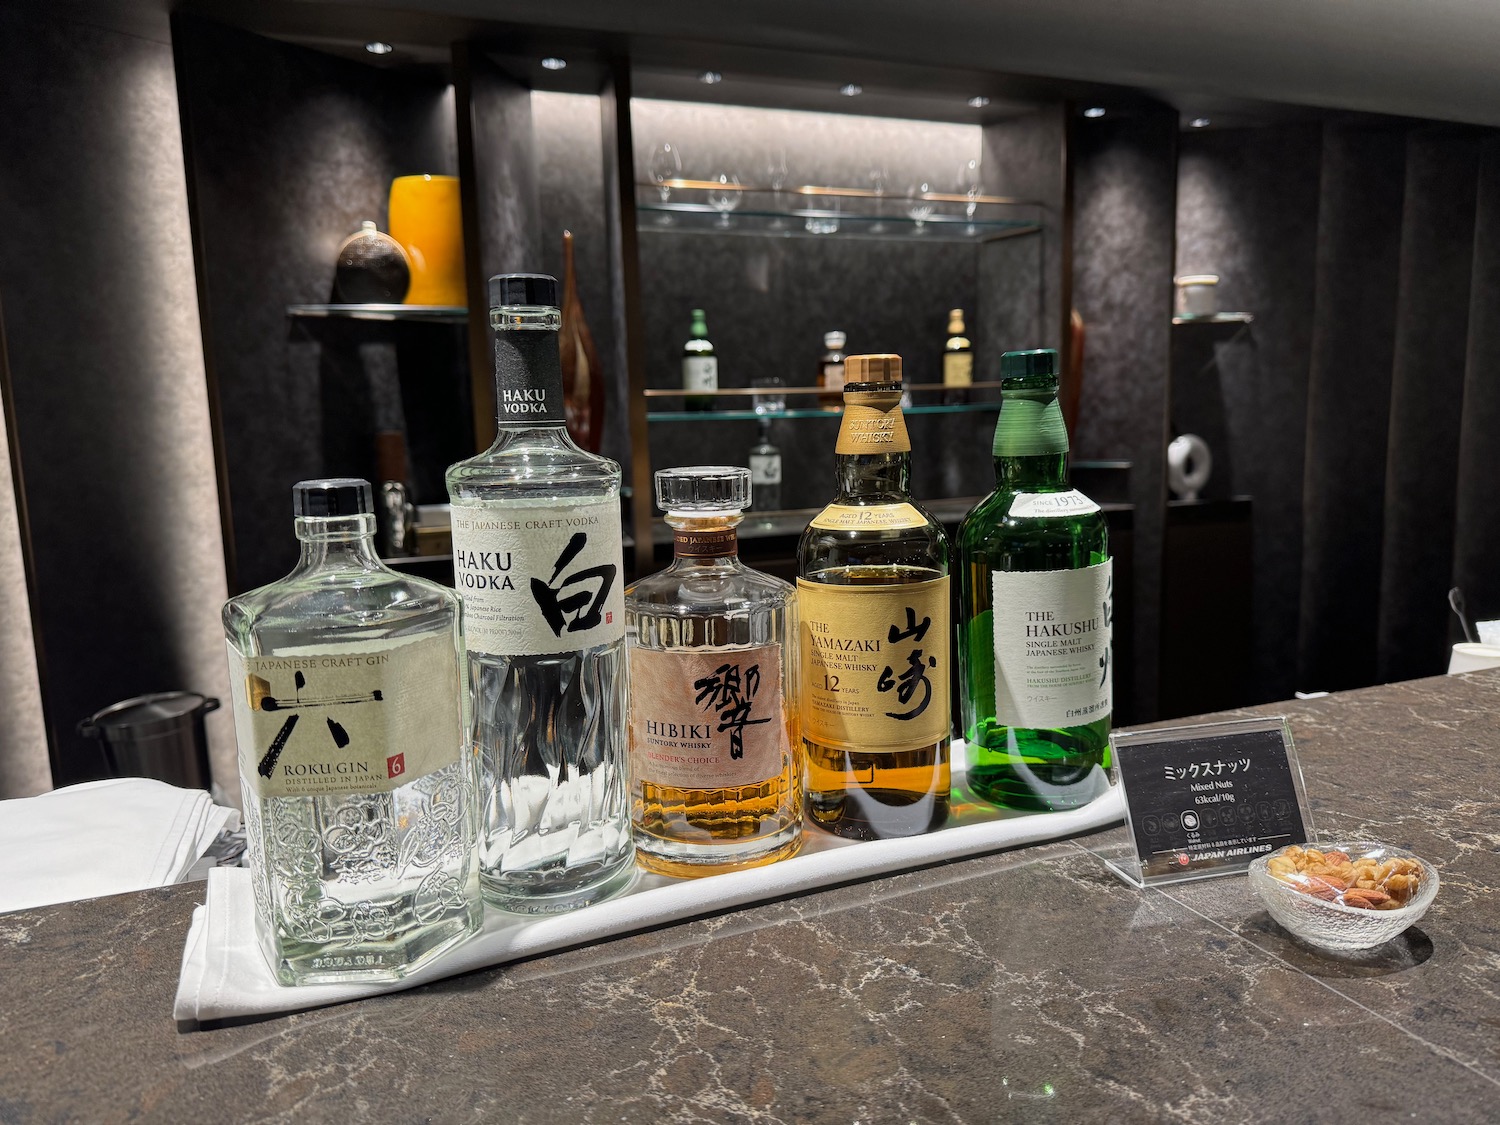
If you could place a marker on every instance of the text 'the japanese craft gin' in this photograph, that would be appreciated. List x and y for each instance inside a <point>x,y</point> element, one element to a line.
<point>538,559</point>
<point>359,798</point>
<point>715,756</point>
<point>1035,611</point>
<point>872,586</point>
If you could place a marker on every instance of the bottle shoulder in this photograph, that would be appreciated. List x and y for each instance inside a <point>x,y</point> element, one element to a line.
<point>338,606</point>
<point>533,461</point>
<point>694,592</point>
<point>1016,518</point>
<point>923,544</point>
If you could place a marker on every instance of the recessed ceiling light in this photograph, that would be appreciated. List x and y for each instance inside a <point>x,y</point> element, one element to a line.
<point>710,78</point>
<point>1094,111</point>
<point>979,101</point>
<point>379,48</point>
<point>552,63</point>
<point>851,89</point>
<point>1200,123</point>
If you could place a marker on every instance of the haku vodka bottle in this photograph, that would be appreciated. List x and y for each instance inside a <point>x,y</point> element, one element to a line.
<point>538,559</point>
<point>715,755</point>
<point>700,365</point>
<point>1035,611</point>
<point>359,797</point>
<point>872,584</point>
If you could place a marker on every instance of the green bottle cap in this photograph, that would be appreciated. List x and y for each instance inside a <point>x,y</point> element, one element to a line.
<point>700,323</point>
<point>1025,365</point>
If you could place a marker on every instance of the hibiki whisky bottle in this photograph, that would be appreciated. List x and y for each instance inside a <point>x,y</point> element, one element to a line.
<point>872,584</point>
<point>1036,608</point>
<point>715,756</point>
<point>538,559</point>
<point>359,798</point>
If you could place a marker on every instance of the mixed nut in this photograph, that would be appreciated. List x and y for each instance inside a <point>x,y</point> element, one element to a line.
<point>1367,882</point>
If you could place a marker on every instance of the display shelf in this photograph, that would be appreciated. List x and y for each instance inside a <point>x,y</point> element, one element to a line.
<point>428,314</point>
<point>1216,318</point>
<point>820,220</point>
<point>813,412</point>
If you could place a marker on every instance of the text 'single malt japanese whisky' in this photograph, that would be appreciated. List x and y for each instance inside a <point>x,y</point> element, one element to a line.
<point>872,584</point>
<point>1035,611</point>
<point>538,560</point>
<point>715,754</point>
<point>359,799</point>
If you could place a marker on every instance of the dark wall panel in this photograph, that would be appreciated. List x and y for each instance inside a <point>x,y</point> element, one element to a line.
<point>1124,194</point>
<point>111,414</point>
<point>1427,398</point>
<point>1348,405</point>
<point>1247,210</point>
<point>288,151</point>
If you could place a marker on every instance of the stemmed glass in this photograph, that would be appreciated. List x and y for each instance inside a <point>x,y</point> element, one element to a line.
<point>666,166</point>
<point>776,176</point>
<point>879,184</point>
<point>971,188</point>
<point>918,207</point>
<point>725,195</point>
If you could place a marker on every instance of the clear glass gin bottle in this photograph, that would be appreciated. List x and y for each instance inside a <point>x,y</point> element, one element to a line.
<point>359,797</point>
<point>872,586</point>
<point>715,753</point>
<point>538,559</point>
<point>1035,610</point>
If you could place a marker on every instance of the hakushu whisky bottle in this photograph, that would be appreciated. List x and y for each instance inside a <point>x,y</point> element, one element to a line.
<point>872,583</point>
<point>538,559</point>
<point>715,755</point>
<point>700,365</point>
<point>1035,597</point>
<point>359,799</point>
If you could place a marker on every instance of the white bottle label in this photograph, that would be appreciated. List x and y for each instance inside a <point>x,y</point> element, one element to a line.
<point>1052,646</point>
<point>1069,503</point>
<point>700,373</point>
<point>833,376</point>
<point>539,579</point>
<point>765,468</point>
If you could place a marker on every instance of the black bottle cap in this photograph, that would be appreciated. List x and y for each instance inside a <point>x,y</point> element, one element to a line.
<point>339,496</point>
<point>508,290</point>
<point>1020,365</point>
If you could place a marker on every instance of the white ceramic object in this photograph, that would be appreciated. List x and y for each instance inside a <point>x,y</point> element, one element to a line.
<point>1470,657</point>
<point>1197,294</point>
<point>1189,465</point>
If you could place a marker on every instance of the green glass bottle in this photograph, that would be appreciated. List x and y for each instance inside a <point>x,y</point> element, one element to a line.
<point>1035,611</point>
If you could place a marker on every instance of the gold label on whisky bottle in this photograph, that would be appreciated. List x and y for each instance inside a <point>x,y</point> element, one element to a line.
<point>873,423</point>
<point>875,664</point>
<point>869,517</point>
<point>706,719</point>
<point>351,720</point>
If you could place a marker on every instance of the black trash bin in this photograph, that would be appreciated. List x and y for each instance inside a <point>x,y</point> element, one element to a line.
<point>159,735</point>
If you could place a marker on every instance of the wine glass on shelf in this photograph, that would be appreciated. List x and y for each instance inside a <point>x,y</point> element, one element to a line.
<point>879,186</point>
<point>776,177</point>
<point>666,166</point>
<point>918,207</point>
<point>725,194</point>
<point>971,188</point>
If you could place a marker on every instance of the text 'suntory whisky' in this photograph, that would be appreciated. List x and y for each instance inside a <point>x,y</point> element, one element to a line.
<point>872,583</point>
<point>715,755</point>
<point>538,559</point>
<point>1036,608</point>
<point>359,799</point>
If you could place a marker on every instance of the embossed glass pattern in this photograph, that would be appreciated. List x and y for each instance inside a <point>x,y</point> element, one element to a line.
<point>354,886</point>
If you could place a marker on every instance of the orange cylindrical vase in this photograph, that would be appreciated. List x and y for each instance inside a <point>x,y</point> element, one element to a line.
<point>426,219</point>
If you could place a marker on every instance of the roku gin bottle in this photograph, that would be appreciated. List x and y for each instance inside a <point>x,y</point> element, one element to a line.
<point>1035,610</point>
<point>715,758</point>
<point>359,799</point>
<point>538,558</point>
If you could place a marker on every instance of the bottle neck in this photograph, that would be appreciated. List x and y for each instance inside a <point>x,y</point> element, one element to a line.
<point>705,541</point>
<point>528,369</point>
<point>1031,440</point>
<point>873,457</point>
<point>337,543</point>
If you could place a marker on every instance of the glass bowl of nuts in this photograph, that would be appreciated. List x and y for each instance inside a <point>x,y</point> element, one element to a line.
<point>1344,896</point>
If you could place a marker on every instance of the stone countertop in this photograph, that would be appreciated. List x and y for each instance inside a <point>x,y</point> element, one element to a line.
<point>1029,986</point>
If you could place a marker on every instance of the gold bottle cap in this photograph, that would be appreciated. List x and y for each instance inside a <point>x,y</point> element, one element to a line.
<point>955,320</point>
<point>882,368</point>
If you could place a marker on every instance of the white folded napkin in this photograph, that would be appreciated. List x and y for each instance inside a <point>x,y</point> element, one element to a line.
<point>224,973</point>
<point>103,838</point>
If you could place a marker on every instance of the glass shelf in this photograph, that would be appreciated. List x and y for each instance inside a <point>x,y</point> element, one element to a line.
<point>823,222</point>
<point>1216,318</point>
<point>774,415</point>
<point>428,314</point>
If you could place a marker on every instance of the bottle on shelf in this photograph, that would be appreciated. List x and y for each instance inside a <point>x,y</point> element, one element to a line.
<point>1035,611</point>
<point>359,799</point>
<point>765,472</point>
<point>538,559</point>
<point>716,759</point>
<point>700,365</point>
<point>872,583</point>
<point>396,520</point>
<point>958,353</point>
<point>831,371</point>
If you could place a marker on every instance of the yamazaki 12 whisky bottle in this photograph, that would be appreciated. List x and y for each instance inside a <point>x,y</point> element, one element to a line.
<point>872,582</point>
<point>715,757</point>
<point>1035,597</point>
